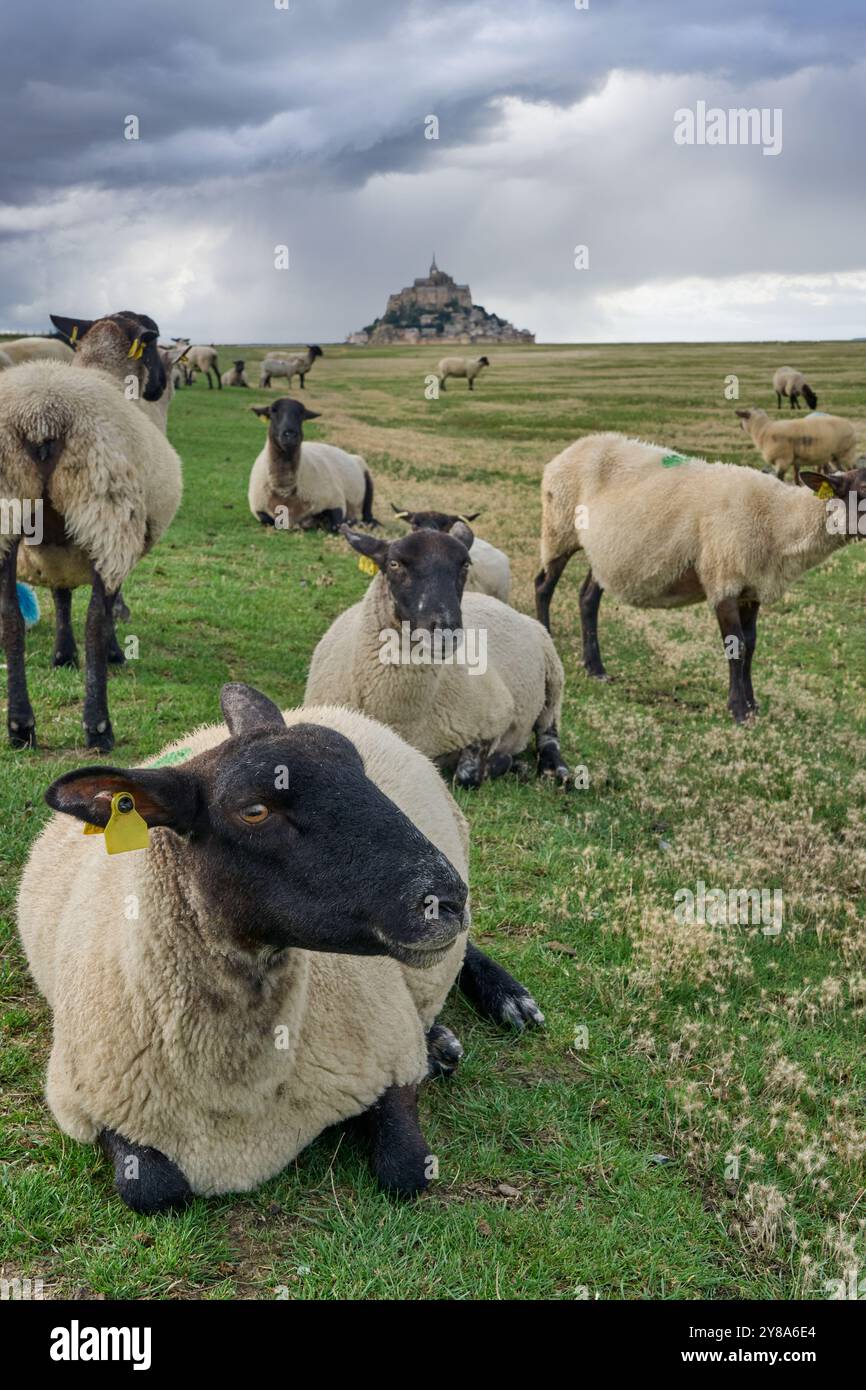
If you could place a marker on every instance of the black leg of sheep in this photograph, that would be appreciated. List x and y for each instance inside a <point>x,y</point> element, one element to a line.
<point>146,1180</point>
<point>494,993</point>
<point>65,650</point>
<point>20,722</point>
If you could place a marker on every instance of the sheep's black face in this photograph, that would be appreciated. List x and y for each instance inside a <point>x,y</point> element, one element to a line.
<point>292,845</point>
<point>286,423</point>
<point>315,350</point>
<point>143,329</point>
<point>239,365</point>
<point>426,573</point>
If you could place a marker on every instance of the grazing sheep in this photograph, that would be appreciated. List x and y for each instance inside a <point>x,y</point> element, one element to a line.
<point>662,531</point>
<point>277,365</point>
<point>297,484</point>
<point>106,485</point>
<point>490,572</point>
<point>202,358</point>
<point>269,986</point>
<point>817,440</point>
<point>467,367</point>
<point>462,677</point>
<point>236,376</point>
<point>787,381</point>
<point>34,349</point>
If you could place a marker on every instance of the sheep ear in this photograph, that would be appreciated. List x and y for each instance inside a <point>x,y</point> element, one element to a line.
<point>375,549</point>
<point>311,414</point>
<point>461,532</point>
<point>247,710</point>
<point>837,481</point>
<point>743,414</point>
<point>398,511</point>
<point>473,516</point>
<point>163,796</point>
<point>262,410</point>
<point>73,330</point>
<point>177,353</point>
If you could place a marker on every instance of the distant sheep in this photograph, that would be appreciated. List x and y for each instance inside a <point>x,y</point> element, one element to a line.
<point>236,376</point>
<point>294,483</point>
<point>817,440</point>
<point>275,365</point>
<point>791,383</point>
<point>35,349</point>
<point>490,572</point>
<point>201,358</point>
<point>663,531</point>
<point>157,411</point>
<point>467,367</point>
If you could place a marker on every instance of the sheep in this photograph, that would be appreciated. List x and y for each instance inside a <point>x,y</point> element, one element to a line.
<point>817,440</point>
<point>275,364</point>
<point>662,531</point>
<point>202,358</point>
<point>34,349</point>
<point>266,988</point>
<point>105,485</point>
<point>157,411</point>
<point>460,367</point>
<point>297,484</point>
<point>490,572</point>
<point>236,376</point>
<point>787,381</point>
<point>462,677</point>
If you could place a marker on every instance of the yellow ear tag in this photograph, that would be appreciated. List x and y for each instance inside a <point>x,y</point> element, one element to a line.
<point>825,491</point>
<point>133,351</point>
<point>126,829</point>
<point>73,337</point>
<point>366,565</point>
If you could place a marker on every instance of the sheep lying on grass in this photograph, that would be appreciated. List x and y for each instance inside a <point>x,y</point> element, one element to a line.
<point>35,349</point>
<point>818,441</point>
<point>490,572</point>
<point>662,531</point>
<point>300,916</point>
<point>105,483</point>
<point>473,707</point>
<point>298,484</point>
<point>467,367</point>
<point>791,383</point>
<point>277,365</point>
<point>203,358</point>
<point>236,376</point>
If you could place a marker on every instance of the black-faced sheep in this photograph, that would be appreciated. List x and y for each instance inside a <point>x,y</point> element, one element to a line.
<point>275,365</point>
<point>203,358</point>
<point>791,383</point>
<point>816,441</point>
<point>294,483</point>
<point>266,988</point>
<point>461,367</point>
<point>236,375</point>
<point>490,572</point>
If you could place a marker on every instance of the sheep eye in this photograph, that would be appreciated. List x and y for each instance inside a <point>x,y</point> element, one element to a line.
<point>254,815</point>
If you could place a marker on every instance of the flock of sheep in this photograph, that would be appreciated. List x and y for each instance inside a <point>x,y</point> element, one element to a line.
<point>275,960</point>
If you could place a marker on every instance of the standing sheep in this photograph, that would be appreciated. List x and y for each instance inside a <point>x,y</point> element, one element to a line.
<point>818,440</point>
<point>298,484</point>
<point>105,484</point>
<point>462,677</point>
<point>663,531</point>
<point>236,376</point>
<point>467,367</point>
<point>789,382</point>
<point>295,939</point>
<point>276,365</point>
<point>490,572</point>
<point>204,359</point>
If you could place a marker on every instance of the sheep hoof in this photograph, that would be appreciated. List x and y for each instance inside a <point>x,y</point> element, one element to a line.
<point>22,733</point>
<point>101,737</point>
<point>145,1179</point>
<point>495,994</point>
<point>120,610</point>
<point>597,673</point>
<point>404,1174</point>
<point>520,1009</point>
<point>65,658</point>
<point>444,1051</point>
<point>114,655</point>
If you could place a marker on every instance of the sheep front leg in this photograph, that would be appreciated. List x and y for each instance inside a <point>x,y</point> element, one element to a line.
<point>749,624</point>
<point>145,1179</point>
<point>97,724</point>
<point>65,650</point>
<point>778,400</point>
<point>731,627</point>
<point>20,722</point>
<point>399,1156</point>
<point>545,583</point>
<point>590,598</point>
<point>494,993</point>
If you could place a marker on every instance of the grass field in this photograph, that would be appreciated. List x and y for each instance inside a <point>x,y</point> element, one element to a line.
<point>704,1138</point>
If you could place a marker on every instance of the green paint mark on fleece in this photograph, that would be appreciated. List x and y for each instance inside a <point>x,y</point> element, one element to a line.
<point>177,755</point>
<point>672,460</point>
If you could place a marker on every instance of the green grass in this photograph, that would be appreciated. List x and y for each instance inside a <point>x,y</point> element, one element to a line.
<point>702,1043</point>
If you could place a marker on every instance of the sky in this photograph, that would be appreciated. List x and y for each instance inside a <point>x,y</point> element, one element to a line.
<point>305,123</point>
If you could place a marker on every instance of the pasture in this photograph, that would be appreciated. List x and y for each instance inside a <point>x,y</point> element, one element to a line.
<point>690,1123</point>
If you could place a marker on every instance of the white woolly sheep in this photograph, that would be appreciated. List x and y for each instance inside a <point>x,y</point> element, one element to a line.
<point>236,376</point>
<point>35,349</point>
<point>203,358</point>
<point>818,440</point>
<point>106,485</point>
<point>787,381</point>
<point>297,484</point>
<point>661,531</point>
<point>467,367</point>
<point>275,365</point>
<point>266,989</point>
<point>462,677</point>
<point>490,572</point>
